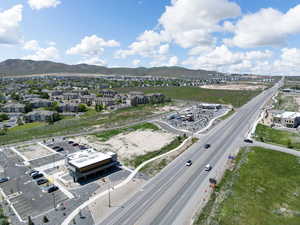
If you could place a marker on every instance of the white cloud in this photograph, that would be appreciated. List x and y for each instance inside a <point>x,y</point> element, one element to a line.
<point>147,45</point>
<point>10,25</point>
<point>267,27</point>
<point>91,46</point>
<point>223,59</point>
<point>94,61</point>
<point>191,22</point>
<point>188,23</point>
<point>136,62</point>
<point>41,4</point>
<point>31,45</point>
<point>49,53</point>
<point>173,61</point>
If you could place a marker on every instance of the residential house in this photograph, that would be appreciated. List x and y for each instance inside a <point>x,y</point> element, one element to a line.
<point>68,107</point>
<point>42,115</point>
<point>14,108</point>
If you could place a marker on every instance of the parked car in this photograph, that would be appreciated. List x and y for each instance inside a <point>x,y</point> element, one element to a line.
<point>4,179</point>
<point>33,173</point>
<point>206,146</point>
<point>30,172</point>
<point>189,163</point>
<point>51,188</point>
<point>208,167</point>
<point>248,141</point>
<point>37,175</point>
<point>70,142</point>
<point>59,149</point>
<point>75,144</point>
<point>41,181</point>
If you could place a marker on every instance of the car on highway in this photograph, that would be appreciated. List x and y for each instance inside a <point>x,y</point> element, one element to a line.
<point>4,179</point>
<point>189,163</point>
<point>206,146</point>
<point>41,181</point>
<point>248,141</point>
<point>208,167</point>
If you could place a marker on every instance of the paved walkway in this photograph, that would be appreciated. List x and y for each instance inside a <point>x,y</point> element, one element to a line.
<point>276,148</point>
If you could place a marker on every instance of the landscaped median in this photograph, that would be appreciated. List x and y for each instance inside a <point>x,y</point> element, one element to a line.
<point>262,188</point>
<point>284,138</point>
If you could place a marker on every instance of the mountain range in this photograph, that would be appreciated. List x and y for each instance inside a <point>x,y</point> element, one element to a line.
<point>15,67</point>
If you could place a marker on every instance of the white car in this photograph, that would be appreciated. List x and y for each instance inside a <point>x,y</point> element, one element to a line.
<point>208,167</point>
<point>189,163</point>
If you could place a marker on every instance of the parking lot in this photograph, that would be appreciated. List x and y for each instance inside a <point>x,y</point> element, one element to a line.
<point>25,195</point>
<point>194,118</point>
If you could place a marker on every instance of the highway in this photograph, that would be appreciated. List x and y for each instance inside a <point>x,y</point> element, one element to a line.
<point>174,195</point>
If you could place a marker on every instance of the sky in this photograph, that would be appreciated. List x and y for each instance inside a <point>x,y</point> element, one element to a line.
<point>235,36</point>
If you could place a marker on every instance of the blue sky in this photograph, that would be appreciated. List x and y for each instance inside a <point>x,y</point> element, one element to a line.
<point>258,36</point>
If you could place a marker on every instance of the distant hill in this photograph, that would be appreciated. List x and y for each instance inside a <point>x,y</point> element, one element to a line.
<point>12,67</point>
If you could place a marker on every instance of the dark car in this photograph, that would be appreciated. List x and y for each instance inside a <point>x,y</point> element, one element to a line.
<point>37,175</point>
<point>206,146</point>
<point>41,181</point>
<point>59,149</point>
<point>70,142</point>
<point>75,144</point>
<point>81,147</point>
<point>51,188</point>
<point>248,141</point>
<point>4,179</point>
<point>56,147</point>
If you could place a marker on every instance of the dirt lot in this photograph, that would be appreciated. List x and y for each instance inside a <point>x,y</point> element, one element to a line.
<point>235,87</point>
<point>34,151</point>
<point>131,144</point>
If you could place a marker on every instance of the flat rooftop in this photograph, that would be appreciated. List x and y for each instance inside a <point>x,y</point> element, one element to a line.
<point>87,157</point>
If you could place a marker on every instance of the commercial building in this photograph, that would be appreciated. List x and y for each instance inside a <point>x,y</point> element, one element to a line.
<point>286,119</point>
<point>88,162</point>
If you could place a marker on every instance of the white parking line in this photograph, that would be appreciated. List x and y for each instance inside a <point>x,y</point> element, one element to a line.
<point>26,161</point>
<point>11,205</point>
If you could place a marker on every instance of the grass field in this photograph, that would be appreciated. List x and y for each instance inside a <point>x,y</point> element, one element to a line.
<point>235,98</point>
<point>106,135</point>
<point>142,158</point>
<point>76,125</point>
<point>269,135</point>
<point>263,189</point>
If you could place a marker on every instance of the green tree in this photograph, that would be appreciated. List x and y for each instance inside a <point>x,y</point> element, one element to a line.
<point>82,108</point>
<point>28,107</point>
<point>99,108</point>
<point>3,117</point>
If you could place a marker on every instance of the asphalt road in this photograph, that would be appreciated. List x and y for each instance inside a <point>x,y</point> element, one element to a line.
<point>172,196</point>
